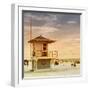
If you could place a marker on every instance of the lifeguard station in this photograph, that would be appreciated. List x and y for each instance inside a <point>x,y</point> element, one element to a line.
<point>41,57</point>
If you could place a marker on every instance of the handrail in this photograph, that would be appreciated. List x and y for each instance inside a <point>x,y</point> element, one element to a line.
<point>39,53</point>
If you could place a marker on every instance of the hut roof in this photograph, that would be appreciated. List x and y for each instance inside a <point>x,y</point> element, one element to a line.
<point>41,39</point>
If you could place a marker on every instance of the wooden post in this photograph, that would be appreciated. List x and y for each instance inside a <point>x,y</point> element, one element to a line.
<point>31,44</point>
<point>30,34</point>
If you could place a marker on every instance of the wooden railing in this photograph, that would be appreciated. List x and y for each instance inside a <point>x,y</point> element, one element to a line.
<point>40,53</point>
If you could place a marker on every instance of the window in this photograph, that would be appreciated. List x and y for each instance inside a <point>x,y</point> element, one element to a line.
<point>44,46</point>
<point>44,53</point>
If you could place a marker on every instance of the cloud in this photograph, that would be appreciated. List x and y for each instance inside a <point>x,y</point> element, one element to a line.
<point>71,22</point>
<point>55,25</point>
<point>53,20</point>
<point>40,20</point>
<point>44,30</point>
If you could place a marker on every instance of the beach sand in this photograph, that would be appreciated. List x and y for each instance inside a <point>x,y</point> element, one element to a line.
<point>61,70</point>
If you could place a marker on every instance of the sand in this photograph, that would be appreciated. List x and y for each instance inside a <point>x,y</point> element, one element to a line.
<point>61,70</point>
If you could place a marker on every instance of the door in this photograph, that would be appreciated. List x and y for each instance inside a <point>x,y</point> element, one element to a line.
<point>43,64</point>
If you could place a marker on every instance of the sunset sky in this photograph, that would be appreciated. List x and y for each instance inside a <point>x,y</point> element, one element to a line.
<point>62,27</point>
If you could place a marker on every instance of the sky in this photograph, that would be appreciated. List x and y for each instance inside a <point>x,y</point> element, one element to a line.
<point>62,27</point>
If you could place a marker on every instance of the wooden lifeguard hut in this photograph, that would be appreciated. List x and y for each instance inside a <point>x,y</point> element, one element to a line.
<point>41,58</point>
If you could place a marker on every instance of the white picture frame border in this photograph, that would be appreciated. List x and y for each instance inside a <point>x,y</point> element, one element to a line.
<point>16,44</point>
